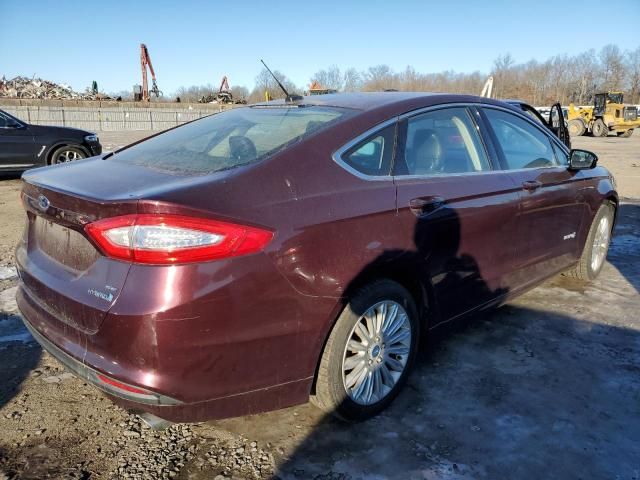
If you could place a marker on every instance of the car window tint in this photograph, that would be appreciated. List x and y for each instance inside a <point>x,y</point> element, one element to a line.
<point>562,157</point>
<point>373,155</point>
<point>523,145</point>
<point>4,121</point>
<point>441,142</point>
<point>230,139</point>
<point>533,116</point>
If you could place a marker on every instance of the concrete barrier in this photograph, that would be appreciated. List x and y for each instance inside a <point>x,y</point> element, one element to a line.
<point>108,116</point>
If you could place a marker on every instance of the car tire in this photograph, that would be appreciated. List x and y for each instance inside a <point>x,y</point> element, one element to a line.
<point>576,128</point>
<point>596,246</point>
<point>67,153</point>
<point>354,388</point>
<point>599,128</point>
<point>626,134</point>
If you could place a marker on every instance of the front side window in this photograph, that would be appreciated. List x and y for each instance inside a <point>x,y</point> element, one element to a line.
<point>229,139</point>
<point>523,145</point>
<point>4,121</point>
<point>561,156</point>
<point>442,142</point>
<point>372,156</point>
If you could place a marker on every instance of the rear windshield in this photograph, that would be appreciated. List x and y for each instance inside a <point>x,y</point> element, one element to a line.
<point>229,139</point>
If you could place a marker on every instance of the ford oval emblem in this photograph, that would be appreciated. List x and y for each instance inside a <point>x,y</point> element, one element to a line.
<point>43,203</point>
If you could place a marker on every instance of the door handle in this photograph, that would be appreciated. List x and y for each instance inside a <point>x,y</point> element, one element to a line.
<point>423,206</point>
<point>531,185</point>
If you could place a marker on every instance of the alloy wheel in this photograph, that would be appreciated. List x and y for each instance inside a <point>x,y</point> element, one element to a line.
<point>68,156</point>
<point>600,244</point>
<point>376,353</point>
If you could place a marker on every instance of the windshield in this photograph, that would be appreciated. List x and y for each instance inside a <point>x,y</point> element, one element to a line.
<point>229,139</point>
<point>615,97</point>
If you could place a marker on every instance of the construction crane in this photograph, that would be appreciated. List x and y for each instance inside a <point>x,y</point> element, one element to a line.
<point>223,95</point>
<point>224,92</point>
<point>145,60</point>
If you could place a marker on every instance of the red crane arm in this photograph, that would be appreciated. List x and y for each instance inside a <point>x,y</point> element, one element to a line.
<point>224,85</point>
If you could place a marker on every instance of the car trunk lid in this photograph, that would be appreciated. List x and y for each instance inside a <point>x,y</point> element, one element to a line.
<point>59,266</point>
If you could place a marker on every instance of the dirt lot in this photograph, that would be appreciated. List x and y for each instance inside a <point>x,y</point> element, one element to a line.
<point>545,387</point>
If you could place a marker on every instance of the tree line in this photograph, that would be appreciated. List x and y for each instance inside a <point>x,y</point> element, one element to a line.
<point>563,78</point>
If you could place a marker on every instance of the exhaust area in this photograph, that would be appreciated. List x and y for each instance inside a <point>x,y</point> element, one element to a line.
<point>153,422</point>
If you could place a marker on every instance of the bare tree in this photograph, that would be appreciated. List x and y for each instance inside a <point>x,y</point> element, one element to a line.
<point>613,68</point>
<point>633,74</point>
<point>265,83</point>
<point>352,80</point>
<point>240,92</point>
<point>560,78</point>
<point>330,78</point>
<point>378,78</point>
<point>195,92</point>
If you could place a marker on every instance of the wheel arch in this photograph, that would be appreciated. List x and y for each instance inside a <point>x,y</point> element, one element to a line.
<point>421,293</point>
<point>64,143</point>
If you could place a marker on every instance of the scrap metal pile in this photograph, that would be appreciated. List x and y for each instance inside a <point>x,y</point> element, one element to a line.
<point>23,87</point>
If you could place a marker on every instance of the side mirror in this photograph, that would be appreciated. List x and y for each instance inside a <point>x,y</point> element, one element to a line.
<point>582,160</point>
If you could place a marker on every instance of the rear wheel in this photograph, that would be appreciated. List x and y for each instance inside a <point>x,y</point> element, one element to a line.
<point>596,246</point>
<point>68,153</point>
<point>369,352</point>
<point>626,134</point>
<point>599,128</point>
<point>576,128</point>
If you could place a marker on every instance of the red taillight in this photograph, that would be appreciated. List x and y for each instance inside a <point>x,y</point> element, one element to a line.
<point>170,239</point>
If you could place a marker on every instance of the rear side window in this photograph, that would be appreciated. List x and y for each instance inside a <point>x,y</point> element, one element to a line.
<point>229,139</point>
<point>442,142</point>
<point>523,145</point>
<point>373,155</point>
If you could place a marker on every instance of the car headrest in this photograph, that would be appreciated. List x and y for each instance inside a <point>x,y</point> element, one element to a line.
<point>242,148</point>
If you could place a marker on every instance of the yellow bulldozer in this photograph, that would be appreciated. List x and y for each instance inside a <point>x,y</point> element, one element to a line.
<point>608,114</point>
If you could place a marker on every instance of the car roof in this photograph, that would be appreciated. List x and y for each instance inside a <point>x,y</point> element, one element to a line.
<point>376,100</point>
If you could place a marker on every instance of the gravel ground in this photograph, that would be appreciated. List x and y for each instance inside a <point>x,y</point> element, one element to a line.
<point>547,386</point>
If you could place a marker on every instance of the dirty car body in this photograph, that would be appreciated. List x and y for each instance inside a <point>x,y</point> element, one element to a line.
<point>24,146</point>
<point>318,197</point>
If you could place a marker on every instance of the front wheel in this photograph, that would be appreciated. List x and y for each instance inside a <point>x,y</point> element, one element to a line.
<point>67,153</point>
<point>599,128</point>
<point>369,352</point>
<point>596,246</point>
<point>576,128</point>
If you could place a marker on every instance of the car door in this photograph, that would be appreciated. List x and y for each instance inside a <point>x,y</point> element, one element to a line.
<point>558,125</point>
<point>17,144</point>
<point>551,202</point>
<point>457,213</point>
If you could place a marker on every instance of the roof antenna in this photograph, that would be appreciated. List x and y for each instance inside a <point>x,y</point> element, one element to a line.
<point>289,98</point>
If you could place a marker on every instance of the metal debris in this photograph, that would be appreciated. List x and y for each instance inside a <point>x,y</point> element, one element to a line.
<point>23,87</point>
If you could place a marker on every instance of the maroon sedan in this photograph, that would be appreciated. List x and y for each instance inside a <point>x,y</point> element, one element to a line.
<point>270,254</point>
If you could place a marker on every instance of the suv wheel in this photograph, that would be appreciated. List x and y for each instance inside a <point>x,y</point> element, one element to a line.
<point>369,352</point>
<point>67,153</point>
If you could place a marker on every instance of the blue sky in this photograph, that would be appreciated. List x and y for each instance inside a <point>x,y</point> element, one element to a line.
<point>196,42</point>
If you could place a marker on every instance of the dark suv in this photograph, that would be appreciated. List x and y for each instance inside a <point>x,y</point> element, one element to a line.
<point>24,146</point>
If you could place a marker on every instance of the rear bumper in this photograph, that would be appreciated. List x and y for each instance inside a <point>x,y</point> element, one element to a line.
<point>92,376</point>
<point>263,400</point>
<point>201,343</point>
